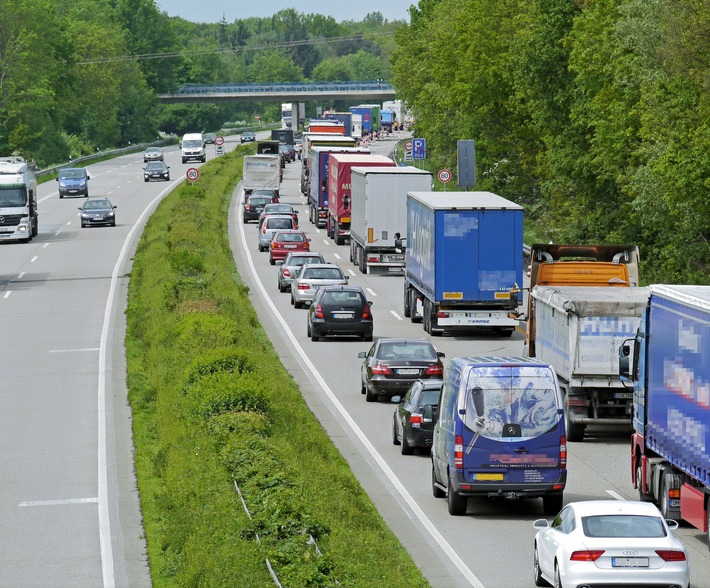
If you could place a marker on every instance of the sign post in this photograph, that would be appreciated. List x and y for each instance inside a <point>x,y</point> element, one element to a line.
<point>219,145</point>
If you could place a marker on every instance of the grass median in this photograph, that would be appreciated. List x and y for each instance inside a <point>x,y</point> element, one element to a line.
<point>212,405</point>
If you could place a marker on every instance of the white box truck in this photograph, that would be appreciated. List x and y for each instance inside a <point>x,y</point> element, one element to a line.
<point>379,213</point>
<point>19,217</point>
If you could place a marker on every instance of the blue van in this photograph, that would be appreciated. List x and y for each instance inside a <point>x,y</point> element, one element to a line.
<point>499,432</point>
<point>73,181</point>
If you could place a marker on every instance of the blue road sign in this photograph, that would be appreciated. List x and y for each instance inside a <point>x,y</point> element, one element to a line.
<point>418,148</point>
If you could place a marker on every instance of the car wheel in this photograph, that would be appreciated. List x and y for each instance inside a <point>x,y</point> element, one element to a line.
<point>168,178</point>
<point>292,300</point>
<point>367,337</point>
<point>457,504</point>
<point>245,220</point>
<point>406,448</point>
<point>272,261</point>
<point>537,575</point>
<point>395,439</point>
<point>297,304</point>
<point>83,226</point>
<point>558,580</point>
<point>61,195</point>
<point>552,503</point>
<point>314,336</point>
<point>435,490</point>
<point>282,288</point>
<point>363,387</point>
<point>369,396</point>
<point>113,224</point>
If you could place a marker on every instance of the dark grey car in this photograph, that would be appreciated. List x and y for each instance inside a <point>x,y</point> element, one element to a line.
<point>413,419</point>
<point>97,211</point>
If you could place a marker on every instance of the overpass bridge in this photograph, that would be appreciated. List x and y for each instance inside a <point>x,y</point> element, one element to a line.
<point>373,91</point>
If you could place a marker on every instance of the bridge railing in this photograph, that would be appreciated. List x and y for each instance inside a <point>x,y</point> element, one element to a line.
<point>285,87</point>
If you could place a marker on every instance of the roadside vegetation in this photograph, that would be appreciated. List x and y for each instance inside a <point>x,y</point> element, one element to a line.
<point>212,405</point>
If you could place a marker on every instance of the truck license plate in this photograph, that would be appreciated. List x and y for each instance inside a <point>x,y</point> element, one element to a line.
<point>623,395</point>
<point>629,562</point>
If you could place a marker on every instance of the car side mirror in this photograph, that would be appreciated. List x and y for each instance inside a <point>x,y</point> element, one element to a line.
<point>541,524</point>
<point>396,399</point>
<point>347,277</point>
<point>441,354</point>
<point>362,354</point>
<point>369,302</point>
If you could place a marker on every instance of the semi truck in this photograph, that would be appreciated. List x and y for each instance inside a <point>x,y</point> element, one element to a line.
<point>344,117</point>
<point>261,172</point>
<point>284,136</point>
<point>318,180</point>
<point>668,362</point>
<point>387,118</point>
<point>19,216</point>
<point>578,265</point>
<point>340,167</point>
<point>579,331</point>
<point>379,214</point>
<point>368,114</point>
<point>464,261</point>
<point>322,125</point>
<point>313,139</point>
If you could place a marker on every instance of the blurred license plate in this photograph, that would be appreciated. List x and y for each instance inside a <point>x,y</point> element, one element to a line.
<point>490,477</point>
<point>290,246</point>
<point>408,372</point>
<point>342,315</point>
<point>629,562</point>
<point>624,395</point>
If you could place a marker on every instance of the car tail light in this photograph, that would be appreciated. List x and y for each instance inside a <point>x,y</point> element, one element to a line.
<point>318,311</point>
<point>380,370</point>
<point>275,244</point>
<point>304,286</point>
<point>307,246</point>
<point>264,229</point>
<point>415,419</point>
<point>434,370</point>
<point>286,273</point>
<point>671,554</point>
<point>366,312</point>
<point>586,555</point>
<point>563,452</point>
<point>458,453</point>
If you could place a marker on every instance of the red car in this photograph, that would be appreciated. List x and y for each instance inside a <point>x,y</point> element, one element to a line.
<point>286,241</point>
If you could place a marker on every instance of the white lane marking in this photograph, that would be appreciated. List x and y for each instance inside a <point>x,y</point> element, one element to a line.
<point>68,223</point>
<point>55,234</point>
<point>19,276</point>
<point>80,349</point>
<point>614,495</point>
<point>351,272</point>
<point>33,259</point>
<point>395,315</point>
<point>57,502</point>
<point>7,294</point>
<point>336,256</point>
<point>45,245</point>
<point>417,510</point>
<point>371,291</point>
<point>326,241</point>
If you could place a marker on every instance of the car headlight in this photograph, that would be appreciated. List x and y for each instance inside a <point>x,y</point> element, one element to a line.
<point>110,214</point>
<point>85,215</point>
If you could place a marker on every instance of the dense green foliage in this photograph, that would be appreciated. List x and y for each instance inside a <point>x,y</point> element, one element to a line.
<point>212,404</point>
<point>78,76</point>
<point>594,114</point>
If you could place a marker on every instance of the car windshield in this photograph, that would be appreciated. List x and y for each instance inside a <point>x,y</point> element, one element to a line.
<point>279,223</point>
<point>406,351</point>
<point>323,273</point>
<point>291,237</point>
<point>155,165</point>
<point>192,143</point>
<point>71,174</point>
<point>97,204</point>
<point>152,150</point>
<point>344,298</point>
<point>13,197</point>
<point>636,526</point>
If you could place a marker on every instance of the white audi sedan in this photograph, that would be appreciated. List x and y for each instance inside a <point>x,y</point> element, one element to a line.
<point>609,543</point>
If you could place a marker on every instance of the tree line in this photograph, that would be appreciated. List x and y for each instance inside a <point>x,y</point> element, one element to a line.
<point>594,114</point>
<point>77,76</point>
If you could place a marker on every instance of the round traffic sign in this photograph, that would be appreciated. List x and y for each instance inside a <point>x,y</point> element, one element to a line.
<point>219,140</point>
<point>408,145</point>
<point>193,173</point>
<point>444,176</point>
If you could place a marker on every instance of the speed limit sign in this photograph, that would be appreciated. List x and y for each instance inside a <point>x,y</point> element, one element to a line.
<point>219,140</point>
<point>444,176</point>
<point>193,173</point>
<point>408,146</point>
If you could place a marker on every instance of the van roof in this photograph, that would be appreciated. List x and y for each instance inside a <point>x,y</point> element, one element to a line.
<point>500,361</point>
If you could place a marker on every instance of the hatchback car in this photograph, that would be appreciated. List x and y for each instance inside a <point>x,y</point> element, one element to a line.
<point>277,208</point>
<point>153,154</point>
<point>291,264</point>
<point>97,211</point>
<point>392,365</point>
<point>156,170</point>
<point>73,181</point>
<point>253,206</point>
<point>284,242</point>
<point>285,153</point>
<point>270,224</point>
<point>310,277</point>
<point>609,543</point>
<point>413,419</point>
<point>248,137</point>
<point>340,310</point>
<point>210,138</point>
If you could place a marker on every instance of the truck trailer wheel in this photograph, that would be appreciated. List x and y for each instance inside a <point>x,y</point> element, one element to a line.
<point>575,431</point>
<point>362,262</point>
<point>407,307</point>
<point>339,239</point>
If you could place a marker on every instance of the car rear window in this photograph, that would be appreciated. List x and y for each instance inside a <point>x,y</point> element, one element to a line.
<point>407,351</point>
<point>623,526</point>
<point>291,237</point>
<point>298,261</point>
<point>323,273</point>
<point>351,299</point>
<point>279,223</point>
<point>258,201</point>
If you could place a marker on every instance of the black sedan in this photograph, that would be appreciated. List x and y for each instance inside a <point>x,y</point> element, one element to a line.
<point>156,170</point>
<point>97,211</point>
<point>413,419</point>
<point>340,310</point>
<point>391,365</point>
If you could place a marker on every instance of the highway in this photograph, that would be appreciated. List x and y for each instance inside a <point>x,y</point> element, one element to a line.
<point>69,506</point>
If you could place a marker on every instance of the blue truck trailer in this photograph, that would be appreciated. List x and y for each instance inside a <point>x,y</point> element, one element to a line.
<point>370,117</point>
<point>464,261</point>
<point>344,117</point>
<point>669,363</point>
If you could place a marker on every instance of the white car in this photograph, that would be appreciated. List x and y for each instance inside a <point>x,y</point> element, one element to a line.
<point>312,276</point>
<point>609,543</point>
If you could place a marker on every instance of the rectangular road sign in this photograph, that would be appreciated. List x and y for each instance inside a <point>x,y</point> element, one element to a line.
<point>418,148</point>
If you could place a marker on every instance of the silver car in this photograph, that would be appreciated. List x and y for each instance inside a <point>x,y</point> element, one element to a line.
<point>292,263</point>
<point>153,154</point>
<point>311,277</point>
<point>272,223</point>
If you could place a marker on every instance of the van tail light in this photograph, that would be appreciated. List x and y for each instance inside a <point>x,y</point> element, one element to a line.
<point>586,555</point>
<point>380,370</point>
<point>671,554</point>
<point>318,311</point>
<point>434,370</point>
<point>458,453</point>
<point>563,452</point>
<point>366,311</point>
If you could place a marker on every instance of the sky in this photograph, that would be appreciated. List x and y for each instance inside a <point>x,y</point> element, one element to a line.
<point>211,11</point>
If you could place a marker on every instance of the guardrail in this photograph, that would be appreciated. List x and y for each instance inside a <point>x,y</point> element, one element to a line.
<point>285,87</point>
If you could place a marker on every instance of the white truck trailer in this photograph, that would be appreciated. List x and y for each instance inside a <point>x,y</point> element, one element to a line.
<point>579,331</point>
<point>261,172</point>
<point>379,212</point>
<point>19,217</point>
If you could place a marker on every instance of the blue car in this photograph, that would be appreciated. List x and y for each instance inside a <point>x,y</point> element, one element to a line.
<point>73,181</point>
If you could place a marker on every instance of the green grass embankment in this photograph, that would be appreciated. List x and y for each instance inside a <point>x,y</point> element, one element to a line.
<point>213,404</point>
